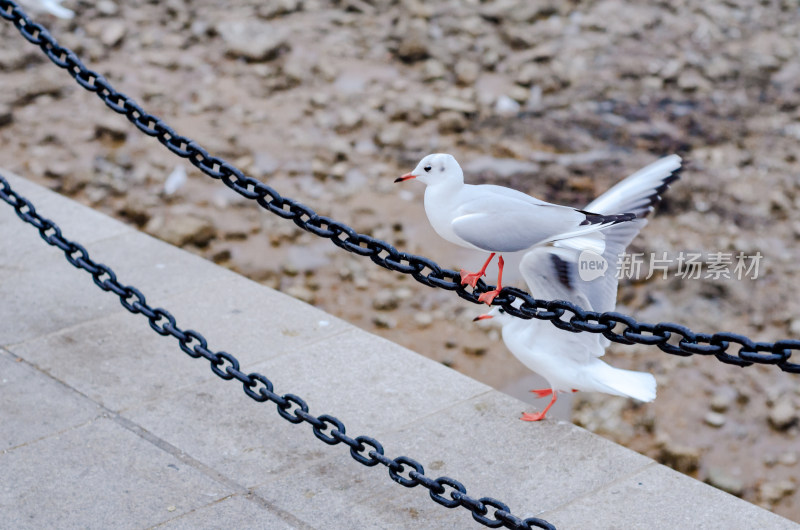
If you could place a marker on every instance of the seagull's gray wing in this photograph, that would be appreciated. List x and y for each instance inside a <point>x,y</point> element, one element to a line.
<point>499,219</point>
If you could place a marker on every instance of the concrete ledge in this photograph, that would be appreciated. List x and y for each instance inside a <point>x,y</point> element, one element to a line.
<point>106,424</point>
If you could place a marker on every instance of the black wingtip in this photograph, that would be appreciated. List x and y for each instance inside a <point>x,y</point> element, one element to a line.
<point>596,218</point>
<point>655,198</point>
<point>562,270</point>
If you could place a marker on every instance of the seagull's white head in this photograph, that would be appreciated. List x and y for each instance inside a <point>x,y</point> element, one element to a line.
<point>434,169</point>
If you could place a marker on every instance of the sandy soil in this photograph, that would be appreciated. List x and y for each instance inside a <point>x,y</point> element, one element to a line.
<point>329,101</point>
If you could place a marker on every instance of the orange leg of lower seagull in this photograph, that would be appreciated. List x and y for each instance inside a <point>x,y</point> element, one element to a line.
<point>536,416</point>
<point>488,296</point>
<point>471,278</point>
<point>540,415</point>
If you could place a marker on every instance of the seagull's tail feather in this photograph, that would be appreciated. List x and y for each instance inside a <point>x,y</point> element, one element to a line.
<point>640,192</point>
<point>627,383</point>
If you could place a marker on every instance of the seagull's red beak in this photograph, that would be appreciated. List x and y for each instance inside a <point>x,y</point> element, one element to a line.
<point>405,177</point>
<point>481,317</point>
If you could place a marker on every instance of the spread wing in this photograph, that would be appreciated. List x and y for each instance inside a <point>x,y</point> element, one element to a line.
<point>640,192</point>
<point>601,292</point>
<point>552,274</point>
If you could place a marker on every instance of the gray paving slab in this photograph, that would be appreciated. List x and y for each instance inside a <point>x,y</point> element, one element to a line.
<point>21,241</point>
<point>102,357</point>
<point>359,378</point>
<point>377,384</point>
<point>660,498</point>
<point>47,296</point>
<point>155,268</point>
<point>532,467</point>
<point>338,492</point>
<point>234,512</point>
<point>27,416</point>
<point>98,475</point>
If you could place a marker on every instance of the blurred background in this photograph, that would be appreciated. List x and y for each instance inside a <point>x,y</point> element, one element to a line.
<point>329,102</point>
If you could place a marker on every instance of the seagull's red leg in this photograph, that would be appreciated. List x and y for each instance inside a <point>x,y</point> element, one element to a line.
<point>488,296</point>
<point>471,278</point>
<point>543,393</point>
<point>536,416</point>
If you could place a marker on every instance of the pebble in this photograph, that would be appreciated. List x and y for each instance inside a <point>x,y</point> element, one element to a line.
<point>413,44</point>
<point>111,127</point>
<point>385,300</point>
<point>253,39</point>
<point>392,135</point>
<point>384,322</point>
<point>276,8</point>
<point>772,492</point>
<point>58,170</point>
<point>715,419</point>
<point>113,33</point>
<point>6,115</point>
<point>788,459</point>
<point>181,230</point>
<point>603,415</point>
<point>691,80</point>
<point>783,414</point>
<point>769,459</point>
<point>423,319</point>
<point>722,479</point>
<point>467,72</point>
<point>458,105</point>
<point>723,398</point>
<point>107,7</point>
<point>506,106</point>
<point>433,69</point>
<point>530,73</point>
<point>451,122</point>
<point>474,351</point>
<point>348,119</point>
<point>683,458</point>
<point>301,292</point>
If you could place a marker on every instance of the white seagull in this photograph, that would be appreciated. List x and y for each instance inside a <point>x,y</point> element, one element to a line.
<point>571,361</point>
<point>496,219</point>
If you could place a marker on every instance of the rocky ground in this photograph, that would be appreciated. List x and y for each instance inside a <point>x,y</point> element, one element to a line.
<point>329,101</point>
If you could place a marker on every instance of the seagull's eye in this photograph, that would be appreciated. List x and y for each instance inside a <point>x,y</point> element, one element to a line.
<point>427,169</point>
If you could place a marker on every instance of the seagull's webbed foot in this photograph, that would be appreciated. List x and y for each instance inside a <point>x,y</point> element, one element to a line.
<point>536,416</point>
<point>488,296</point>
<point>470,278</point>
<point>543,393</point>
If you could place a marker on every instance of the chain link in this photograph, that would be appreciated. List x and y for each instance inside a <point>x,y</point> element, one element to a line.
<point>423,269</point>
<point>258,387</point>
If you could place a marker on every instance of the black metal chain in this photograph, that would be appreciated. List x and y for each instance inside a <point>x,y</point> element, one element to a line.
<point>364,449</point>
<point>671,338</point>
